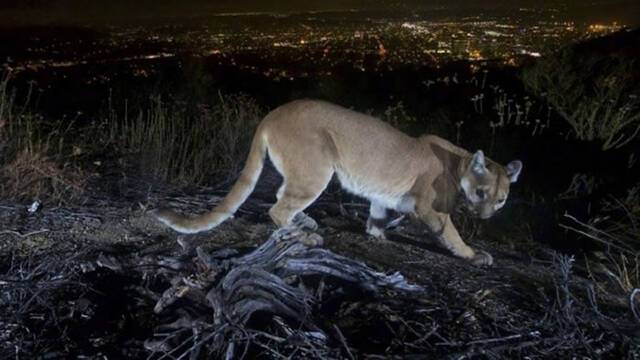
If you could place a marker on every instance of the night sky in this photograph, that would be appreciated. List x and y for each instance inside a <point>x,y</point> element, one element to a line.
<point>291,5</point>
<point>288,5</point>
<point>21,11</point>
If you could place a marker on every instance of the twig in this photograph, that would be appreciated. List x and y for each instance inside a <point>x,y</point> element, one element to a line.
<point>628,213</point>
<point>343,341</point>
<point>510,337</point>
<point>22,236</point>
<point>632,303</point>
<point>272,351</point>
<point>590,227</point>
<point>591,236</point>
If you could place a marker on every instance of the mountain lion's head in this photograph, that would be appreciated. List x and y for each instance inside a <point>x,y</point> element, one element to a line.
<point>485,184</point>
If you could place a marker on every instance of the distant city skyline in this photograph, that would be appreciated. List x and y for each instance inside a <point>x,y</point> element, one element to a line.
<point>310,43</point>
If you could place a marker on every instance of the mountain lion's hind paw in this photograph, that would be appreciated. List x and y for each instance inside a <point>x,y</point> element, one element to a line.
<point>304,222</point>
<point>287,233</point>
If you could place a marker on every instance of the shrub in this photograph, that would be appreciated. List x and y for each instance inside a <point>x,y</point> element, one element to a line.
<point>597,95</point>
<point>398,117</point>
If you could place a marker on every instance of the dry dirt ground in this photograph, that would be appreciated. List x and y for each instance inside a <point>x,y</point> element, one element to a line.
<point>71,287</point>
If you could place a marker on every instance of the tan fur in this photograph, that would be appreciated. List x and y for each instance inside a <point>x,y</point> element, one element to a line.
<point>309,141</point>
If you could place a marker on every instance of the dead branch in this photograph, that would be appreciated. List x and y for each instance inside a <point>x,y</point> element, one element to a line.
<point>263,281</point>
<point>25,235</point>
<point>632,303</point>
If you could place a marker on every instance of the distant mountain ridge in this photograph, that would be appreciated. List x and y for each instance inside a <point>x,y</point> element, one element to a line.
<point>624,43</point>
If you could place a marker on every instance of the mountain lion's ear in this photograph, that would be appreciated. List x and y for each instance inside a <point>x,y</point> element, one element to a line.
<point>513,170</point>
<point>478,162</point>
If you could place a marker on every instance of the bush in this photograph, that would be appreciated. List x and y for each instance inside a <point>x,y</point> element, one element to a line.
<point>398,117</point>
<point>596,94</point>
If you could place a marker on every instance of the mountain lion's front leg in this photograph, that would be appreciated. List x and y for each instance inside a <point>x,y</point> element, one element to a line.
<point>377,221</point>
<point>442,226</point>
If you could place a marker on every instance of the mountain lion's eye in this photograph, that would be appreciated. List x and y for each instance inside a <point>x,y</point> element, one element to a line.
<point>480,193</point>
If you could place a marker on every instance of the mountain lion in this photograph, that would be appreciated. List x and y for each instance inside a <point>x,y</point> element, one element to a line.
<point>308,141</point>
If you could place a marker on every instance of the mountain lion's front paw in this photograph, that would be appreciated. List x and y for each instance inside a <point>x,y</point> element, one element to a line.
<point>375,228</point>
<point>376,233</point>
<point>482,258</point>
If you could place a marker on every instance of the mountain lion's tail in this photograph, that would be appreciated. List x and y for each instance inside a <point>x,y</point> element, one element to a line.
<point>238,194</point>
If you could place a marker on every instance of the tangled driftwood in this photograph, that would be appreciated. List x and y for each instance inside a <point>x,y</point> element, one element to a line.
<point>268,280</point>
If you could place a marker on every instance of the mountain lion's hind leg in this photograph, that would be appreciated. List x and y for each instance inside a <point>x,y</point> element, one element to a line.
<point>377,221</point>
<point>291,221</point>
<point>300,220</point>
<point>298,193</point>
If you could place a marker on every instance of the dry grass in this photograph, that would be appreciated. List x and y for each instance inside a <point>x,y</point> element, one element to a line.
<point>188,146</point>
<point>6,114</point>
<point>167,141</point>
<point>33,160</point>
<point>615,268</point>
<point>34,175</point>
